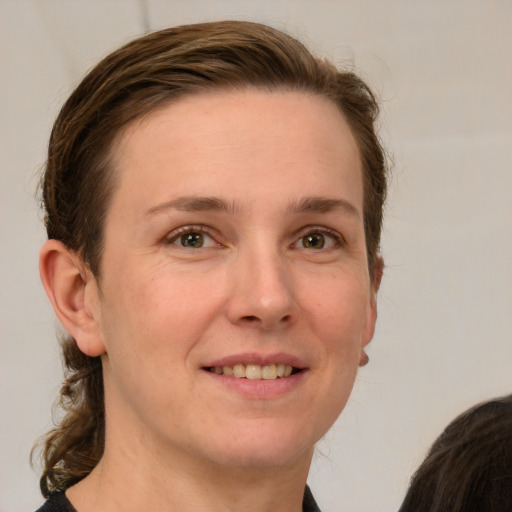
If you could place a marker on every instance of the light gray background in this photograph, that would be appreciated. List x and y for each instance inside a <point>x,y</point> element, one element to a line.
<point>443,71</point>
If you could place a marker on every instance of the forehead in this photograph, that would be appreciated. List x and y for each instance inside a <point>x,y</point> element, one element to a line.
<point>239,142</point>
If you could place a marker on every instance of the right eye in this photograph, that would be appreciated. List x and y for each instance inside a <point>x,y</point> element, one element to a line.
<point>192,238</point>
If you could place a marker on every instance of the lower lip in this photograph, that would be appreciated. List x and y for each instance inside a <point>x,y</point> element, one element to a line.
<point>259,389</point>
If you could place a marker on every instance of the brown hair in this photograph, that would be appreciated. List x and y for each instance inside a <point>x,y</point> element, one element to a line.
<point>78,182</point>
<point>469,467</point>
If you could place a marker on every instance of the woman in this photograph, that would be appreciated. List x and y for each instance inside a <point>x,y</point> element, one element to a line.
<point>213,199</point>
<point>469,466</point>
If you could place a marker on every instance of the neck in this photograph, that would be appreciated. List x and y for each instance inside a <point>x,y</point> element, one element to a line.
<point>130,481</point>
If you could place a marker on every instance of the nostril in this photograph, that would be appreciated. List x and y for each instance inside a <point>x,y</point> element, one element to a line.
<point>251,318</point>
<point>256,319</point>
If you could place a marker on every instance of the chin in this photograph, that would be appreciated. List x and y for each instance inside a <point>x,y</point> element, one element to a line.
<point>265,459</point>
<point>266,448</point>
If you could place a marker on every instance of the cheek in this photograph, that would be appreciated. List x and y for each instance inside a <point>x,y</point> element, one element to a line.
<point>160,311</point>
<point>148,337</point>
<point>338,311</point>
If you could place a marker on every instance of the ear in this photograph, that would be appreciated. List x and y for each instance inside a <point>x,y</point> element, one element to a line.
<point>73,292</point>
<point>371,313</point>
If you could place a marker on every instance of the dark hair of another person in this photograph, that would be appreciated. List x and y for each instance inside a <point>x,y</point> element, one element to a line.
<point>469,467</point>
<point>78,181</point>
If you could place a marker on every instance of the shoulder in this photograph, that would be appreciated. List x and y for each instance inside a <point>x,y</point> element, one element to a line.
<point>57,503</point>
<point>309,504</point>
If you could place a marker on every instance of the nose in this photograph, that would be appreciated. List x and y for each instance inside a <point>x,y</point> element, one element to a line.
<point>262,294</point>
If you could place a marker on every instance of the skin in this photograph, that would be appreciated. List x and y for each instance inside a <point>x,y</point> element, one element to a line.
<point>281,272</point>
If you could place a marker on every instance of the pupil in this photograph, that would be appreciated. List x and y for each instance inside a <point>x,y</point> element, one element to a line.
<point>314,241</point>
<point>192,240</point>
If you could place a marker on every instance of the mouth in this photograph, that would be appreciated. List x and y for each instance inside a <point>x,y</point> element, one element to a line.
<point>255,371</point>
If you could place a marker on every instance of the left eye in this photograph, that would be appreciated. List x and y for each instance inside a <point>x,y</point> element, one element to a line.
<point>193,240</point>
<point>318,240</point>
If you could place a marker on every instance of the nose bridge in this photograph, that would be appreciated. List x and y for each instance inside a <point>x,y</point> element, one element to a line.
<point>263,287</point>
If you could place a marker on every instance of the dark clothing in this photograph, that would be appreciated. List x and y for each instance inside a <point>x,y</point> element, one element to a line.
<point>59,503</point>
<point>309,503</point>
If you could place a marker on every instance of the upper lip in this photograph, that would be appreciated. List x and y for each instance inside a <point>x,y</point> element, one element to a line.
<point>259,359</point>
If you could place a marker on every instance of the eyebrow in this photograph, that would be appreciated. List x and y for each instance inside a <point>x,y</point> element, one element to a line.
<point>193,204</point>
<point>314,204</point>
<point>323,205</point>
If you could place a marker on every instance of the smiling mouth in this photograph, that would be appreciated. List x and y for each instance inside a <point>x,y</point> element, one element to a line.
<point>255,371</point>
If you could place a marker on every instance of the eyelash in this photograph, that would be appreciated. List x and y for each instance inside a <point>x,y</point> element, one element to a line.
<point>172,237</point>
<point>338,239</point>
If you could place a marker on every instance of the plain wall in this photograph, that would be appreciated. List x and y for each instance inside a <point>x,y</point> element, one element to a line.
<point>443,71</point>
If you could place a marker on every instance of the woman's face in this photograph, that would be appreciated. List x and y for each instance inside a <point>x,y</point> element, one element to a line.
<point>234,243</point>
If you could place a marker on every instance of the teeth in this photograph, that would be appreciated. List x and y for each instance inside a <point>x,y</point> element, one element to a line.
<point>227,370</point>
<point>254,371</point>
<point>269,372</point>
<point>239,370</point>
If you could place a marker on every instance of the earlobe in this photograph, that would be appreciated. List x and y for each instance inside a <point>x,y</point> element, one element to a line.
<point>371,315</point>
<point>369,328</point>
<point>72,290</point>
